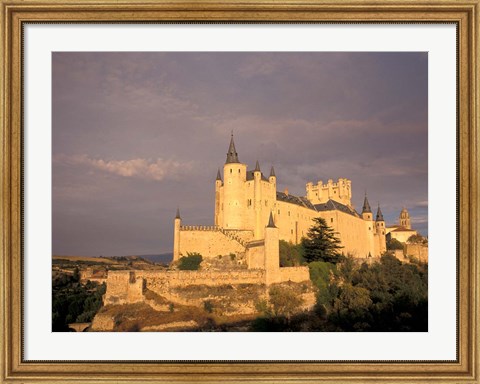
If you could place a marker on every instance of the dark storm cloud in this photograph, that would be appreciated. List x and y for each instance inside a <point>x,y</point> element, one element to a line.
<point>137,134</point>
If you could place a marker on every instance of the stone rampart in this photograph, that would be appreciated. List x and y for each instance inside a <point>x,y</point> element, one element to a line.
<point>398,253</point>
<point>156,280</point>
<point>123,287</point>
<point>418,251</point>
<point>255,255</point>
<point>209,241</point>
<point>294,274</point>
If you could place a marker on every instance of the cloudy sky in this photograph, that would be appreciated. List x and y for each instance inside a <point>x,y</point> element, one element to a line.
<point>137,134</point>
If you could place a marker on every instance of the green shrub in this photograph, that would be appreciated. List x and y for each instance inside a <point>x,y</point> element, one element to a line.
<point>191,262</point>
<point>284,301</point>
<point>394,244</point>
<point>262,307</point>
<point>208,306</point>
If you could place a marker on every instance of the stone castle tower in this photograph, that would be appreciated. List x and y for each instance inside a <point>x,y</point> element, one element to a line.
<point>244,200</point>
<point>404,219</point>
<point>381,245</point>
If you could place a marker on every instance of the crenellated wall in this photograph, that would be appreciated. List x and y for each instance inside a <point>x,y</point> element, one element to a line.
<point>340,191</point>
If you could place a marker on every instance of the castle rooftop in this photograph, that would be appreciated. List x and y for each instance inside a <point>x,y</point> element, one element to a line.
<point>401,229</point>
<point>232,155</point>
<point>332,205</point>
<point>366,205</point>
<point>288,198</point>
<point>250,176</point>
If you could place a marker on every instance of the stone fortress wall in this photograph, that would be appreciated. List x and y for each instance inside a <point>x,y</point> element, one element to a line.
<point>211,241</point>
<point>418,251</point>
<point>127,287</point>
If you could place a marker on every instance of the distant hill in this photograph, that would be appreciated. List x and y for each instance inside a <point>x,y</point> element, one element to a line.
<point>84,259</point>
<point>163,258</point>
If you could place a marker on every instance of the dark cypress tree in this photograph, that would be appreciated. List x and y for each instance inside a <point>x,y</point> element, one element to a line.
<point>321,243</point>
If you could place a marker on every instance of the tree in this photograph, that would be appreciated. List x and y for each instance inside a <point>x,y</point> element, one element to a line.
<point>394,244</point>
<point>290,254</point>
<point>76,274</point>
<point>284,301</point>
<point>417,239</point>
<point>321,243</point>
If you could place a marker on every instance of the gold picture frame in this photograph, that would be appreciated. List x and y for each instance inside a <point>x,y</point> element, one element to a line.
<point>464,13</point>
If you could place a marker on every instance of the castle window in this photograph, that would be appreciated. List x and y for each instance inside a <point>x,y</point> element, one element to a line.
<point>331,220</point>
<point>278,211</point>
<point>291,231</point>
<point>369,228</point>
<point>266,202</point>
<point>238,171</point>
<point>288,213</point>
<point>231,170</point>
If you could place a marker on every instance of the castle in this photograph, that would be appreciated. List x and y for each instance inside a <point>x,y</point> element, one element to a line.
<point>248,207</point>
<point>241,249</point>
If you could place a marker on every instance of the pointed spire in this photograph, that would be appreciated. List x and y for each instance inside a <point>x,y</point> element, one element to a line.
<point>257,167</point>
<point>219,176</point>
<point>232,155</point>
<point>379,214</point>
<point>271,224</point>
<point>366,205</point>
<point>272,172</point>
<point>177,216</point>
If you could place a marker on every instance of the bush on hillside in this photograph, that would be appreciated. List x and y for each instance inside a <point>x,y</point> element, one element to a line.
<point>191,262</point>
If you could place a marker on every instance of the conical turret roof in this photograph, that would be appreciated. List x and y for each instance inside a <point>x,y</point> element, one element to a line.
<point>232,155</point>
<point>177,216</point>
<point>272,172</point>
<point>379,214</point>
<point>219,176</point>
<point>257,167</point>
<point>366,206</point>
<point>271,224</point>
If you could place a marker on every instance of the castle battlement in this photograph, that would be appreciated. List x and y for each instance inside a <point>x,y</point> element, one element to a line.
<point>199,228</point>
<point>340,191</point>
